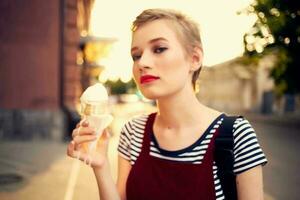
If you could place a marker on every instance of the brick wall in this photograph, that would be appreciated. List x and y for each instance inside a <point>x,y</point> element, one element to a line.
<point>38,72</point>
<point>71,84</point>
<point>29,53</point>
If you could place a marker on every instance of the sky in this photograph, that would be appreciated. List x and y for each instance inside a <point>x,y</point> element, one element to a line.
<point>221,29</point>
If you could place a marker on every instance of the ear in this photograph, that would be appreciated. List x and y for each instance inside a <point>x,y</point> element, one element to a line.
<point>196,58</point>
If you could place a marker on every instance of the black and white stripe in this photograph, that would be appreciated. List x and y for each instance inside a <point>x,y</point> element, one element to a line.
<point>131,138</point>
<point>247,151</point>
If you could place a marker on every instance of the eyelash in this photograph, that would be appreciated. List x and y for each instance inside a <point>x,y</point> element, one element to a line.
<point>161,49</point>
<point>134,57</point>
<point>156,50</point>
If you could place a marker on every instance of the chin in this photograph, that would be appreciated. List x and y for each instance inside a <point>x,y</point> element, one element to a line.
<point>152,95</point>
<point>155,94</point>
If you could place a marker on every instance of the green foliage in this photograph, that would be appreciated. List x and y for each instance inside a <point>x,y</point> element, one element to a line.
<point>277,30</point>
<point>119,87</point>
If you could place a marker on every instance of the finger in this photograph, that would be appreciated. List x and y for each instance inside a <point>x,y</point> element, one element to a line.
<point>83,131</point>
<point>87,131</point>
<point>84,138</point>
<point>71,149</point>
<point>84,123</point>
<point>78,147</point>
<point>82,157</point>
<point>87,160</point>
<point>90,160</point>
<point>80,122</point>
<point>74,153</point>
<point>75,132</point>
<point>79,155</point>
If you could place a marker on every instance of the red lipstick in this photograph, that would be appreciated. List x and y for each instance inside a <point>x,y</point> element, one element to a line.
<point>148,79</point>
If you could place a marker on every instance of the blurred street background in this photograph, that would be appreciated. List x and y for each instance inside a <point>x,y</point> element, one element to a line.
<point>52,51</point>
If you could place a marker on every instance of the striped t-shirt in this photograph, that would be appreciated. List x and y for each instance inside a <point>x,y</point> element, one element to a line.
<point>247,152</point>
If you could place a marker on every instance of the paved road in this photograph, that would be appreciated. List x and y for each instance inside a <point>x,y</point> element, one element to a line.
<point>46,170</point>
<point>281,145</point>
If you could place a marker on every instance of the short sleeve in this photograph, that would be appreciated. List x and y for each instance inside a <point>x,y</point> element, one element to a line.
<point>124,141</point>
<point>247,151</point>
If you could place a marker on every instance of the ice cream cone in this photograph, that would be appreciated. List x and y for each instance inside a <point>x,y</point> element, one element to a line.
<point>94,108</point>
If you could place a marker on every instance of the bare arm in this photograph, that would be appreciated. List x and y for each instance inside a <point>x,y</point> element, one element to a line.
<point>106,186</point>
<point>250,184</point>
<point>124,168</point>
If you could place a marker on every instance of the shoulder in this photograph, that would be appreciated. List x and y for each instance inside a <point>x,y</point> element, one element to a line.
<point>131,137</point>
<point>137,121</point>
<point>135,125</point>
<point>242,127</point>
<point>247,150</point>
<point>239,121</point>
<point>243,131</point>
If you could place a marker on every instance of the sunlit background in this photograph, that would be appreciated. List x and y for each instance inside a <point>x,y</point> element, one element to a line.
<point>221,28</point>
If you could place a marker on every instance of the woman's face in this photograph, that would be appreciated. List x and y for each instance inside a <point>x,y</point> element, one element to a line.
<point>161,66</point>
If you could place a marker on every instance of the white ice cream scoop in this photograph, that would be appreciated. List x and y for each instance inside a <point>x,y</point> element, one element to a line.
<point>94,94</point>
<point>94,108</point>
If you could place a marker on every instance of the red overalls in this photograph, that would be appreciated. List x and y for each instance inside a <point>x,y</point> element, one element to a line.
<point>153,178</point>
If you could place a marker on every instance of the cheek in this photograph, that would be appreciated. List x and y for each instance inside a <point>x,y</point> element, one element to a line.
<point>135,73</point>
<point>176,66</point>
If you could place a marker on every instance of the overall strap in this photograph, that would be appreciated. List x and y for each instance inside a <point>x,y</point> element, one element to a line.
<point>147,134</point>
<point>224,157</point>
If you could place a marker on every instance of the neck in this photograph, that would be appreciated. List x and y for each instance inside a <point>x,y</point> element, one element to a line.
<point>179,110</point>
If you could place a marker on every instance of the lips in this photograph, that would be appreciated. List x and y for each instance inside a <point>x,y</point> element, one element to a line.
<point>148,78</point>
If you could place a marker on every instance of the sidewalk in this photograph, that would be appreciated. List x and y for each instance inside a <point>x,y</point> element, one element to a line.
<point>287,119</point>
<point>46,178</point>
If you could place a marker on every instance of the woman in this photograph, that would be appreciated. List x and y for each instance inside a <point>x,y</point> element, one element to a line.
<point>169,154</point>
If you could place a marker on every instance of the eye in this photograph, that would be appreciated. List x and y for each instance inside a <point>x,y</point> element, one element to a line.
<point>159,49</point>
<point>135,57</point>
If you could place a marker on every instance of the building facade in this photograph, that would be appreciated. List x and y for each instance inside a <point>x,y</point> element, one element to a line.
<point>40,80</point>
<point>235,88</point>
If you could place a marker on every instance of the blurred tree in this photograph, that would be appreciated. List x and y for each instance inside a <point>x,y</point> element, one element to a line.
<point>276,30</point>
<point>119,87</point>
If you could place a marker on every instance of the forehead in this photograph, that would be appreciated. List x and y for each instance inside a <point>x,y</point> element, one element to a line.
<point>155,29</point>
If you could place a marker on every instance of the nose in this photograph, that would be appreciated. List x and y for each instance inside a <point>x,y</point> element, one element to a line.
<point>145,61</point>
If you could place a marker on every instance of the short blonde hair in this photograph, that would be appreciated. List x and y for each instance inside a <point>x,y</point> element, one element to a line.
<point>186,29</point>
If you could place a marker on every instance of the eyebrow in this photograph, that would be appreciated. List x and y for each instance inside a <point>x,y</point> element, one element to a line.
<point>151,41</point>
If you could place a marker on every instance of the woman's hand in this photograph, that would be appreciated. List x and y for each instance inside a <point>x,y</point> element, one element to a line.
<point>78,148</point>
